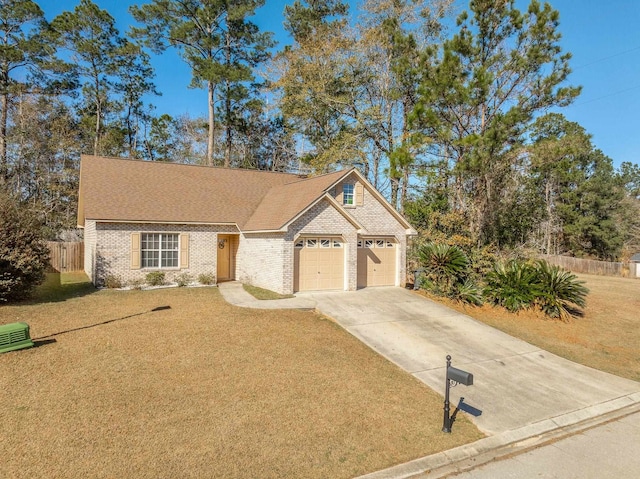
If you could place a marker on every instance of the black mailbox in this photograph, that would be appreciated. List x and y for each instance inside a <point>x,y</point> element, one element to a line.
<point>459,376</point>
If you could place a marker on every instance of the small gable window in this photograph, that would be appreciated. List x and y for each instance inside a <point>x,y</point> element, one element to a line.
<point>159,250</point>
<point>347,194</point>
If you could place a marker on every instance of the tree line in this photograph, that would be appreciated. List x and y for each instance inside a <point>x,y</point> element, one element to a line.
<point>454,118</point>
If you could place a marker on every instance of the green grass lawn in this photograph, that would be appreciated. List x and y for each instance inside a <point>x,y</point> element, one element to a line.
<point>202,389</point>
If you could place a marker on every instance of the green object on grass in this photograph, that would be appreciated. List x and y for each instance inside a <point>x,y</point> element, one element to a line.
<point>14,336</point>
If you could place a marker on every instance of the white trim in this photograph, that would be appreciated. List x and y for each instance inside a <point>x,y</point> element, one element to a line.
<point>282,232</point>
<point>159,222</point>
<point>398,266</point>
<point>352,194</point>
<point>345,266</point>
<point>160,250</point>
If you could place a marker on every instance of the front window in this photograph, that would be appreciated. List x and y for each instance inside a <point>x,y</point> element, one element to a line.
<point>347,194</point>
<point>160,250</point>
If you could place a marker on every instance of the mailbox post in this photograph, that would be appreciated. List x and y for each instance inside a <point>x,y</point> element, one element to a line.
<point>457,376</point>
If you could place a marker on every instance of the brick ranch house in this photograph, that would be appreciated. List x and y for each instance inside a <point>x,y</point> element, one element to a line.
<point>279,231</point>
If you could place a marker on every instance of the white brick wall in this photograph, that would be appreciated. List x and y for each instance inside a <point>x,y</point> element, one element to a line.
<point>260,261</point>
<point>113,250</point>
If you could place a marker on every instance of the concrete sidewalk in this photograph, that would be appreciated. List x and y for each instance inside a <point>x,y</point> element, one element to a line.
<point>522,395</point>
<point>234,293</point>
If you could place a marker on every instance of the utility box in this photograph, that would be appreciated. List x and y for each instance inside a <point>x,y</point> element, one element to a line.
<point>14,336</point>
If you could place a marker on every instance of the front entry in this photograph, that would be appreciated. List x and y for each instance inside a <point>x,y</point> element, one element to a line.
<point>227,245</point>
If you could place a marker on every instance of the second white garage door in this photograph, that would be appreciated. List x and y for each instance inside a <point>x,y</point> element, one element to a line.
<point>318,264</point>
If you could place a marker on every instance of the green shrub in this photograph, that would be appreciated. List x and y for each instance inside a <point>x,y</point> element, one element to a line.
<point>512,285</point>
<point>559,291</point>
<point>468,292</point>
<point>444,266</point>
<point>206,278</point>
<point>155,278</point>
<point>184,279</point>
<point>136,283</point>
<point>113,281</point>
<point>24,255</point>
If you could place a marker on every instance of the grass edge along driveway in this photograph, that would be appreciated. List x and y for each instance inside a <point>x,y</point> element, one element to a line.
<point>204,389</point>
<point>607,337</point>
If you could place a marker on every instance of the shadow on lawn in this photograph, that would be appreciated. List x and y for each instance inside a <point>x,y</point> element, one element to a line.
<point>61,287</point>
<point>43,339</point>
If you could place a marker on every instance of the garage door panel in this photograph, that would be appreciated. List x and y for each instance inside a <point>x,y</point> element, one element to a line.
<point>376,263</point>
<point>320,265</point>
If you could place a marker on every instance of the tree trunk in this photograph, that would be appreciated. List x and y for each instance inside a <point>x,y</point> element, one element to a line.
<point>405,187</point>
<point>394,191</point>
<point>4,119</point>
<point>547,199</point>
<point>96,78</point>
<point>227,104</point>
<point>228,132</point>
<point>212,124</point>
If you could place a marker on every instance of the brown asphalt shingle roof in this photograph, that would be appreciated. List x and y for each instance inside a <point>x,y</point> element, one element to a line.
<point>282,203</point>
<point>132,190</point>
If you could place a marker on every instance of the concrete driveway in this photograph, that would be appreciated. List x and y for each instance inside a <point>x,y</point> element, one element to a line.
<point>515,384</point>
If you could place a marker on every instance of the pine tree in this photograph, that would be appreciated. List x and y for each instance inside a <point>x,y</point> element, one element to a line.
<point>28,62</point>
<point>220,45</point>
<point>489,81</point>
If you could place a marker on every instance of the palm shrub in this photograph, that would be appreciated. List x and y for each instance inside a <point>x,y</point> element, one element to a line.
<point>445,266</point>
<point>513,285</point>
<point>468,292</point>
<point>560,293</point>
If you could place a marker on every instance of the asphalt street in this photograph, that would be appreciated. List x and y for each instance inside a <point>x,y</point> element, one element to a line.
<point>608,451</point>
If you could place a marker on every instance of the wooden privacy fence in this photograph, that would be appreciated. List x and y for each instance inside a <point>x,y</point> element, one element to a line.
<point>66,256</point>
<point>587,266</point>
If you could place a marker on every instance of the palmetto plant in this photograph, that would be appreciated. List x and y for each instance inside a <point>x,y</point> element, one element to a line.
<point>443,263</point>
<point>559,291</point>
<point>444,266</point>
<point>468,292</point>
<point>512,285</point>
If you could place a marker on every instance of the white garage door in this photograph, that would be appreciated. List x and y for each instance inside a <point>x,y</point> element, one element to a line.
<point>376,262</point>
<point>318,264</point>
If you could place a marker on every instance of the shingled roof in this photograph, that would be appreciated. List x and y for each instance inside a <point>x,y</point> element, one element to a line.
<point>282,203</point>
<point>114,189</point>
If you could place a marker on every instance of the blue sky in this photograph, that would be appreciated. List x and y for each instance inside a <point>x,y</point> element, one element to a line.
<point>603,37</point>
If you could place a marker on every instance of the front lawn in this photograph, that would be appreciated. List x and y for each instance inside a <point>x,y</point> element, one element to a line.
<point>607,337</point>
<point>203,389</point>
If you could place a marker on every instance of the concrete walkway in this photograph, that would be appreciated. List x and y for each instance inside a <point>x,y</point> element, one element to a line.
<point>521,393</point>
<point>234,293</point>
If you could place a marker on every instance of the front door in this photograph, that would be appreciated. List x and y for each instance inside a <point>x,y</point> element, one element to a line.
<point>224,258</point>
